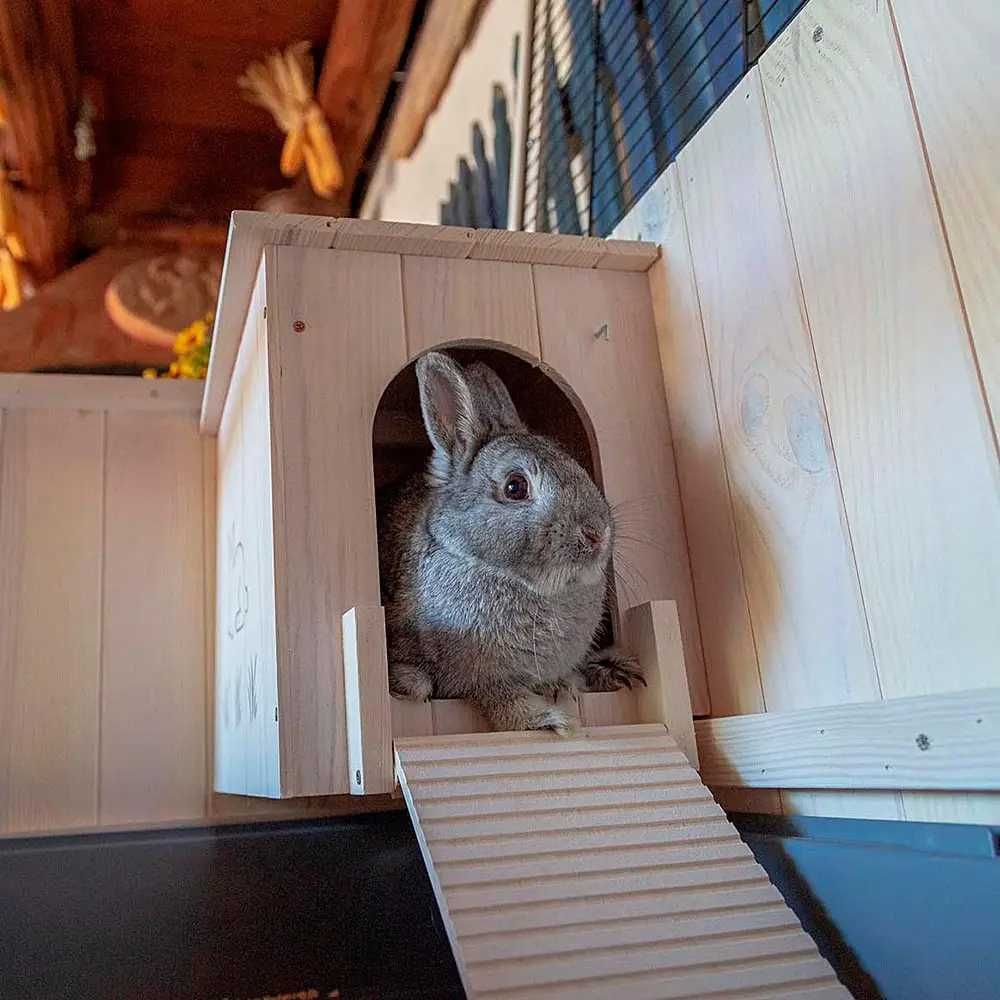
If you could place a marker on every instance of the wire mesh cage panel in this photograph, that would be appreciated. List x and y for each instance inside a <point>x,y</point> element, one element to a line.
<point>616,89</point>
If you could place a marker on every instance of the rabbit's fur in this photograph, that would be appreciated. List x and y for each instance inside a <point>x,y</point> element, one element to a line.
<point>489,595</point>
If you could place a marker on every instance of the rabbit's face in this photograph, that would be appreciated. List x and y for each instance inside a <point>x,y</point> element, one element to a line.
<point>504,496</point>
<point>524,506</point>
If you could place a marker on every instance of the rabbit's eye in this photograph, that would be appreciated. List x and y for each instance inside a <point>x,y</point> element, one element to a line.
<point>515,487</point>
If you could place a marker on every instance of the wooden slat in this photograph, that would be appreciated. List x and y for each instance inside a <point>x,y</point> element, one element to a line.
<point>518,744</point>
<point>731,670</point>
<point>452,715</point>
<point>609,759</point>
<point>366,702</point>
<point>250,232</point>
<point>153,674</point>
<point>781,466</point>
<point>566,912</point>
<point>794,976</point>
<point>618,382</point>
<point>548,830</point>
<point>572,840</point>
<point>493,925</point>
<point>322,412</point>
<point>408,238</point>
<point>607,708</point>
<point>955,78</point>
<point>571,862</point>
<point>913,438</point>
<point>456,300</point>
<point>654,632</point>
<point>659,956</point>
<point>98,392</point>
<point>542,248</point>
<point>542,810</point>
<point>552,785</point>
<point>51,518</point>
<point>947,741</point>
<point>411,718</point>
<point>645,930</point>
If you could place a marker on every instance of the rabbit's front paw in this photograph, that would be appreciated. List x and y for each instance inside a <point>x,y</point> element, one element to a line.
<point>552,718</point>
<point>410,682</point>
<point>610,669</point>
<point>515,711</point>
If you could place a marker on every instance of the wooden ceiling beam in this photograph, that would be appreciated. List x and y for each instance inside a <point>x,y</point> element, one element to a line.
<point>39,87</point>
<point>448,26</point>
<point>366,42</point>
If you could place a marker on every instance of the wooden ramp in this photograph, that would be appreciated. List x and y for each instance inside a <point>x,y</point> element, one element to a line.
<point>594,867</point>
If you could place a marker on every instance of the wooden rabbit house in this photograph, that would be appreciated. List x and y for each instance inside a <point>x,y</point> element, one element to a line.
<point>312,395</point>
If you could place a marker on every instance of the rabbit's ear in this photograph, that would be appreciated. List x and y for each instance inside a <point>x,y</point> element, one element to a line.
<point>494,407</point>
<point>446,401</point>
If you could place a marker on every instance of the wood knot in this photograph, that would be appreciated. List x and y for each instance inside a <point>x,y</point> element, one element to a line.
<point>805,431</point>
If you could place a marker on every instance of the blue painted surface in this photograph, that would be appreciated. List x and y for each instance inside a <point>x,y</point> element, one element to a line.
<point>906,911</point>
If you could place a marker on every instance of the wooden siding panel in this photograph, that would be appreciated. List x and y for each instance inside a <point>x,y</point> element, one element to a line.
<point>795,549</point>
<point>914,444</point>
<point>954,72</point>
<point>51,523</point>
<point>153,673</point>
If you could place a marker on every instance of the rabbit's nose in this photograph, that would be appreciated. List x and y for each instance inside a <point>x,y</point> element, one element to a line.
<point>595,537</point>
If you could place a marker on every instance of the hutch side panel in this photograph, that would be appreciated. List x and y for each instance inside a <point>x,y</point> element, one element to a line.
<point>246,680</point>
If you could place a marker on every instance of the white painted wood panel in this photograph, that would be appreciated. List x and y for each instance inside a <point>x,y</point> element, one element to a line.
<point>246,660</point>
<point>367,711</point>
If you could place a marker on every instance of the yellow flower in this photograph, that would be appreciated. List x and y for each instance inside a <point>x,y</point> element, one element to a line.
<point>184,341</point>
<point>150,373</point>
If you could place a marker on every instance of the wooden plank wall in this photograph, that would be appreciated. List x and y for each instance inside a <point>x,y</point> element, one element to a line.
<point>829,332</point>
<point>107,500</point>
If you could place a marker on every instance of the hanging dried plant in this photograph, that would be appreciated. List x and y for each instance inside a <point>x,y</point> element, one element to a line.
<point>282,83</point>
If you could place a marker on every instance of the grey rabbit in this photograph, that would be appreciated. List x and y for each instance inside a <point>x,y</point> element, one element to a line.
<point>494,562</point>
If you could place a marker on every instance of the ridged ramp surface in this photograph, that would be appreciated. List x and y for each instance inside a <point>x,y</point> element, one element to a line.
<point>597,866</point>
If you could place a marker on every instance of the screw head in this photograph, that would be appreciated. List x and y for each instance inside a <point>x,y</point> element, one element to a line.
<point>298,326</point>
<point>818,33</point>
<point>357,777</point>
